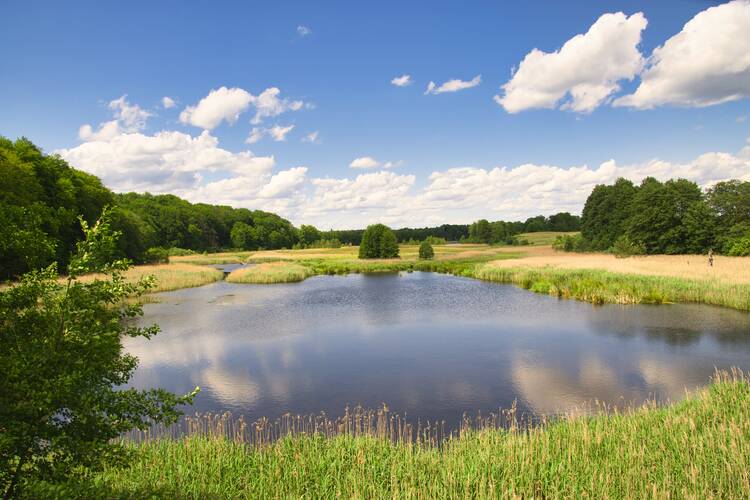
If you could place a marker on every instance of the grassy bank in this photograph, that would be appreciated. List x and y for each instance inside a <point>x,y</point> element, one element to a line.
<point>172,276</point>
<point>699,448</point>
<point>270,272</point>
<point>605,287</point>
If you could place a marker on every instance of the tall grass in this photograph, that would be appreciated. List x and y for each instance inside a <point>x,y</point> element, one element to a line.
<point>270,272</point>
<point>699,448</point>
<point>599,287</point>
<point>172,276</point>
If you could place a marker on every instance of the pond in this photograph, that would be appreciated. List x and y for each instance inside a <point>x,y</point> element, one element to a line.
<point>429,345</point>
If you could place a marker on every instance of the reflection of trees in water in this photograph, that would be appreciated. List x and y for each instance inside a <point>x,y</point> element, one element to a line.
<point>674,325</point>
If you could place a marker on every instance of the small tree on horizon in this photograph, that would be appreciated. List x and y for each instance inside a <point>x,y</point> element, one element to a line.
<point>425,251</point>
<point>378,242</point>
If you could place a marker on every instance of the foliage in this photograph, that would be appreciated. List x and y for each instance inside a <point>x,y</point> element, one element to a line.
<point>672,217</point>
<point>41,197</point>
<point>156,255</point>
<point>378,242</point>
<point>570,243</point>
<point>740,247</point>
<point>62,359</point>
<point>426,251</point>
<point>308,235</point>
<point>180,252</point>
<point>244,236</point>
<point>625,247</point>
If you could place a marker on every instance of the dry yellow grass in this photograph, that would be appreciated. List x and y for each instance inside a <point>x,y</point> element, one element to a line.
<point>270,272</point>
<point>171,276</point>
<point>729,270</point>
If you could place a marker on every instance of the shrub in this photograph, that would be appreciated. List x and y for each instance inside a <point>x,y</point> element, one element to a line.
<point>436,240</point>
<point>740,247</point>
<point>63,392</point>
<point>625,247</point>
<point>180,252</point>
<point>570,243</point>
<point>378,242</point>
<point>156,255</point>
<point>426,251</point>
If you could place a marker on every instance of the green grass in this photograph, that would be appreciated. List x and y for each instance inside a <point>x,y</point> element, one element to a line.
<point>604,287</point>
<point>543,237</point>
<point>698,448</point>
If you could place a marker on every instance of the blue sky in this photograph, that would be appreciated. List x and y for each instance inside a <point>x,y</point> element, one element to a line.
<point>63,63</point>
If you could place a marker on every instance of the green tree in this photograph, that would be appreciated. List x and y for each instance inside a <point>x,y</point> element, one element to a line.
<point>308,235</point>
<point>425,251</point>
<point>606,212</point>
<point>243,236</point>
<point>730,202</point>
<point>378,241</point>
<point>63,364</point>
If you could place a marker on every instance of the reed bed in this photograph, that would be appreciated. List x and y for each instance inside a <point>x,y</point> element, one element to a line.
<point>698,448</point>
<point>270,272</point>
<point>605,287</point>
<point>171,276</point>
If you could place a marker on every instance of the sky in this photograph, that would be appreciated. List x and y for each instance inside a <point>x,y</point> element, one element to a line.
<point>343,114</point>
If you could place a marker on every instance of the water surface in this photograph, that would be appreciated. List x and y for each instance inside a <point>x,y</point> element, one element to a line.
<point>431,346</point>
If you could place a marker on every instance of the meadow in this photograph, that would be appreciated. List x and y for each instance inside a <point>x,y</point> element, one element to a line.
<point>698,448</point>
<point>593,277</point>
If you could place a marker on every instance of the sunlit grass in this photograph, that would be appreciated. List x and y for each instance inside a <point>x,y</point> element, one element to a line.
<point>270,272</point>
<point>543,237</point>
<point>171,276</point>
<point>698,448</point>
<point>600,287</point>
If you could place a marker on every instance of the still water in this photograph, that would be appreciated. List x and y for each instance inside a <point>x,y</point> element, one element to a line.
<point>431,346</point>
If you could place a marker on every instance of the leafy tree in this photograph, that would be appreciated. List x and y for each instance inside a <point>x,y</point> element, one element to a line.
<point>308,235</point>
<point>63,361</point>
<point>425,251</point>
<point>243,236</point>
<point>378,241</point>
<point>730,201</point>
<point>606,212</point>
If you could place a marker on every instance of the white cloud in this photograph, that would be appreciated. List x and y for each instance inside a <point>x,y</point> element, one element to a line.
<point>365,162</point>
<point>312,138</point>
<point>284,183</point>
<point>279,133</point>
<point>303,30</point>
<point>584,73</point>
<point>371,190</point>
<point>706,63</point>
<point>222,104</point>
<point>167,102</point>
<point>453,85</point>
<point>402,81</point>
<point>255,135</point>
<point>164,162</point>
<point>127,118</point>
<point>268,104</point>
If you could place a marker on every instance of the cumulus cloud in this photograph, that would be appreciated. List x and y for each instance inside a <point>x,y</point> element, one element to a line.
<point>268,104</point>
<point>312,138</point>
<point>164,162</point>
<point>303,30</point>
<point>222,104</point>
<point>453,85</point>
<point>279,133</point>
<point>584,73</point>
<point>364,162</point>
<point>706,63</point>
<point>255,135</point>
<point>402,81</point>
<point>284,183</point>
<point>167,102</point>
<point>127,118</point>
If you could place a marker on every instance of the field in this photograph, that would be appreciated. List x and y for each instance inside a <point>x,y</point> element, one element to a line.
<point>698,448</point>
<point>592,277</point>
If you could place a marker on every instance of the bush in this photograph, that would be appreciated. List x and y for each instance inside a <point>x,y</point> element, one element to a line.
<point>570,243</point>
<point>180,252</point>
<point>63,392</point>
<point>156,255</point>
<point>425,251</point>
<point>378,242</point>
<point>435,240</point>
<point>625,247</point>
<point>740,247</point>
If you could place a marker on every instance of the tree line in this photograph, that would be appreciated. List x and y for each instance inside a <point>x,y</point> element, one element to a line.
<point>672,217</point>
<point>502,232</point>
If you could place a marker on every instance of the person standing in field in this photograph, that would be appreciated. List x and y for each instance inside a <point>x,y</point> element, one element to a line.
<point>711,257</point>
